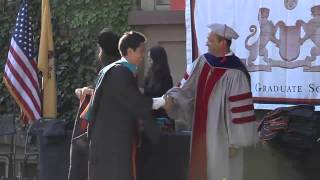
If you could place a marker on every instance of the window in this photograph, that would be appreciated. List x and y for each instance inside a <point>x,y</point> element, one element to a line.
<point>30,170</point>
<point>162,2</point>
<point>2,169</point>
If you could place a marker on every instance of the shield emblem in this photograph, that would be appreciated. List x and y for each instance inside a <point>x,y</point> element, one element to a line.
<point>289,42</point>
<point>290,4</point>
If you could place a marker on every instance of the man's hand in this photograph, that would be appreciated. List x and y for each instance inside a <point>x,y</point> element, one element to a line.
<point>169,103</point>
<point>82,92</point>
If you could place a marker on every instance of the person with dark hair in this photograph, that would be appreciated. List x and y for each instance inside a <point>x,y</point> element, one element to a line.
<point>115,110</point>
<point>108,53</point>
<point>108,43</point>
<point>157,82</point>
<point>158,79</point>
<point>217,100</point>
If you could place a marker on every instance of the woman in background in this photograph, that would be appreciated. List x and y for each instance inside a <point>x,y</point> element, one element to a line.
<point>157,82</point>
<point>158,79</point>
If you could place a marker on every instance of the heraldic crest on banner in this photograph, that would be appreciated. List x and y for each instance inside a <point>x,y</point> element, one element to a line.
<point>289,42</point>
<point>290,4</point>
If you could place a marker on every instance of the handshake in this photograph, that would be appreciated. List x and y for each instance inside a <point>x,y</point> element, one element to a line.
<point>165,101</point>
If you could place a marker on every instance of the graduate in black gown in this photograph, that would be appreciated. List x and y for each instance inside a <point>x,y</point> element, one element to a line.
<point>115,110</point>
<point>108,53</point>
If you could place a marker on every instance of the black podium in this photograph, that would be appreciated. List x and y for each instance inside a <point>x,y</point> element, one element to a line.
<point>54,144</point>
<point>54,158</point>
<point>167,160</point>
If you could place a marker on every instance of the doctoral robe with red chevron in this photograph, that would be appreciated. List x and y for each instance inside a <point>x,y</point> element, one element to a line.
<point>216,99</point>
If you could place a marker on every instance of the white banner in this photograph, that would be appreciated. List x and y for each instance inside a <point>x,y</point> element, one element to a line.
<point>279,43</point>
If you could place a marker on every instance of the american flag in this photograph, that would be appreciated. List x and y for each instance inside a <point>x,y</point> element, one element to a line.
<point>20,74</point>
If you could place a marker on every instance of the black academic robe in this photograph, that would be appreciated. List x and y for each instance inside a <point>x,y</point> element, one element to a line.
<point>78,168</point>
<point>116,112</point>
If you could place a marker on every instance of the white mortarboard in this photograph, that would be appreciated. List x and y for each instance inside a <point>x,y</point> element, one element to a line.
<point>223,31</point>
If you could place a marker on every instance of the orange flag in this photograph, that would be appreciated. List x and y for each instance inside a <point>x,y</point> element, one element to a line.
<point>46,63</point>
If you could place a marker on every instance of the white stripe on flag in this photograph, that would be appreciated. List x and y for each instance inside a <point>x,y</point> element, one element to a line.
<point>23,94</point>
<point>25,60</point>
<point>26,79</point>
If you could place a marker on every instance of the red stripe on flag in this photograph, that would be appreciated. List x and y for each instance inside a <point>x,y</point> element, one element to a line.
<point>244,119</point>
<point>25,69</point>
<point>24,86</point>
<point>16,52</point>
<point>18,97</point>
<point>34,64</point>
<point>240,97</point>
<point>242,108</point>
